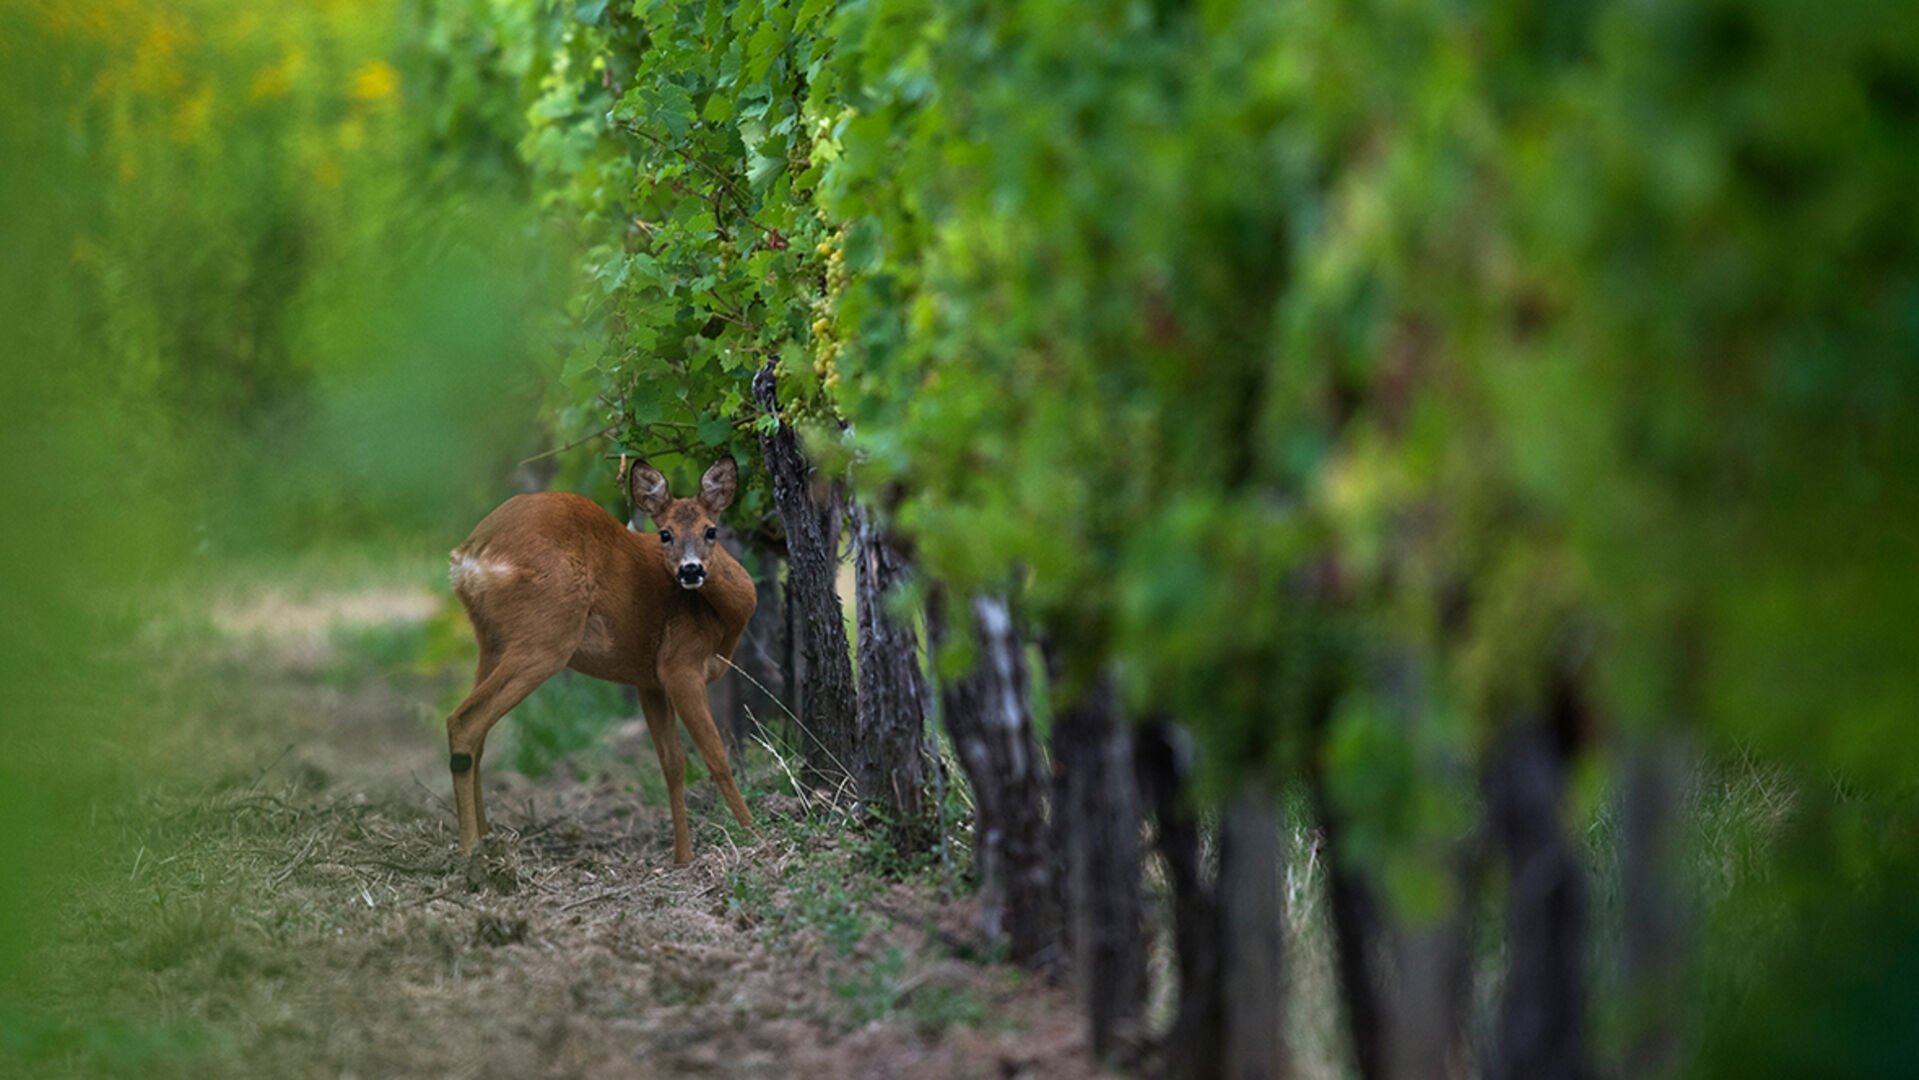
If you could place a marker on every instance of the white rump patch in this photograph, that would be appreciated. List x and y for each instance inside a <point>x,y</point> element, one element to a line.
<point>465,571</point>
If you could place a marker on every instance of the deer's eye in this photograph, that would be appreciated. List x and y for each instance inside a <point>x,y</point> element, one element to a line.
<point>712,533</point>
<point>666,536</point>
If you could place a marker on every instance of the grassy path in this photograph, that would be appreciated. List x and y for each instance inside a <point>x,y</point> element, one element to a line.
<point>283,898</point>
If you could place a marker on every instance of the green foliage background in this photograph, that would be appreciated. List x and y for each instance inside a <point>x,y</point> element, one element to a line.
<point>1255,347</point>
<point>1261,348</point>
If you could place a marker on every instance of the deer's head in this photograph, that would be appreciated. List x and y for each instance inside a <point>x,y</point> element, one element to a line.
<point>689,528</point>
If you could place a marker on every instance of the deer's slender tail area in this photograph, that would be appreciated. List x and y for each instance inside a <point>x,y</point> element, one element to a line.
<point>466,571</point>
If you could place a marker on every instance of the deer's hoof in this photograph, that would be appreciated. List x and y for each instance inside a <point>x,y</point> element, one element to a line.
<point>494,866</point>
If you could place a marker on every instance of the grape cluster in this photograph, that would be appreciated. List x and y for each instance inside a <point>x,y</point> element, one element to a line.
<point>827,345</point>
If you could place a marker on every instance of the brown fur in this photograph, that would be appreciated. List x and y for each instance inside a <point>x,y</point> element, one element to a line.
<point>551,581</point>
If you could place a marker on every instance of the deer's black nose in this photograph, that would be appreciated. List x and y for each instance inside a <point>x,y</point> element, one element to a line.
<point>692,573</point>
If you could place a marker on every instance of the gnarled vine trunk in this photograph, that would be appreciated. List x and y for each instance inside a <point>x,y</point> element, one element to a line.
<point>1542,1009</point>
<point>826,697</point>
<point>986,714</point>
<point>1229,933</point>
<point>1194,1046</point>
<point>889,762</point>
<point>1096,824</point>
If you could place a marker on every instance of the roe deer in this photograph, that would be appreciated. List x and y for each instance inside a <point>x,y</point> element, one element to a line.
<point>550,580</point>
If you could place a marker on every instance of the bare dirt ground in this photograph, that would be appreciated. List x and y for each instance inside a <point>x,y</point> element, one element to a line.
<point>285,899</point>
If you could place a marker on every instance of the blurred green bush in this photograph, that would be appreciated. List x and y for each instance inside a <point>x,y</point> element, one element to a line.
<point>265,286</point>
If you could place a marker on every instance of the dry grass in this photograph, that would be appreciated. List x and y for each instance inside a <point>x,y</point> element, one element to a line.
<point>285,899</point>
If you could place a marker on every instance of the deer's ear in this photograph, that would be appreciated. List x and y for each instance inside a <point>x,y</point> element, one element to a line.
<point>647,488</point>
<point>719,485</point>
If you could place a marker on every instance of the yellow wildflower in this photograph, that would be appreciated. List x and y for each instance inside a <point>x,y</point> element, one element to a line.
<point>377,81</point>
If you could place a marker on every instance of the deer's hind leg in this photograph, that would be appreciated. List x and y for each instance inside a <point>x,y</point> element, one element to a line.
<point>511,667</point>
<point>489,659</point>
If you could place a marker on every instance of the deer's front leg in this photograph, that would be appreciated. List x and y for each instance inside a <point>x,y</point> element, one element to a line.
<point>684,677</point>
<point>666,745</point>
